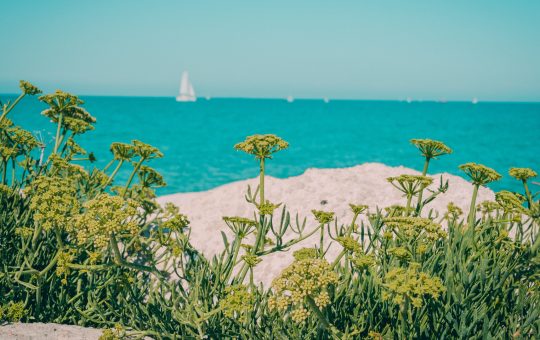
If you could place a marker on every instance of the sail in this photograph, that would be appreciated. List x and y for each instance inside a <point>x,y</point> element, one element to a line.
<point>186,93</point>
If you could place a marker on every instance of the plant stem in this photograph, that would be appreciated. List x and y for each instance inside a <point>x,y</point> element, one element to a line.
<point>13,171</point>
<point>322,239</point>
<point>261,182</point>
<point>528,194</point>
<point>111,177</point>
<point>409,199</point>
<point>288,244</point>
<point>336,261</point>
<point>472,208</point>
<point>132,175</point>
<point>4,170</point>
<point>327,325</point>
<point>424,172</point>
<point>21,96</point>
<point>58,128</point>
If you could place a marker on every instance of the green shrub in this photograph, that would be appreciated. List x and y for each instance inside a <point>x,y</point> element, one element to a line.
<point>79,247</point>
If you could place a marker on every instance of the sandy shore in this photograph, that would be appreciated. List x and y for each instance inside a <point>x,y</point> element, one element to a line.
<point>362,184</point>
<point>47,331</point>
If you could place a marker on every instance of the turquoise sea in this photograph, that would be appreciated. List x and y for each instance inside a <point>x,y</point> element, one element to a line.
<point>197,138</point>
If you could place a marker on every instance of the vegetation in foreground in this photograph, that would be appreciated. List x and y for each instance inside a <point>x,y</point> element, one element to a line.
<point>79,247</point>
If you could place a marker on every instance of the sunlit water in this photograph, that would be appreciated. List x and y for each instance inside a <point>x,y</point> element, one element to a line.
<point>197,138</point>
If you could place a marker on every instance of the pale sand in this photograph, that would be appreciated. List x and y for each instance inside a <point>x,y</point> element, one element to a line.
<point>48,331</point>
<point>362,184</point>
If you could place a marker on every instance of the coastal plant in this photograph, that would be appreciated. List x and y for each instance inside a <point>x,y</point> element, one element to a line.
<point>83,245</point>
<point>480,175</point>
<point>430,149</point>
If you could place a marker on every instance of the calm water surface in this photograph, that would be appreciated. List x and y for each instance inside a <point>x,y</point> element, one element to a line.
<point>197,138</point>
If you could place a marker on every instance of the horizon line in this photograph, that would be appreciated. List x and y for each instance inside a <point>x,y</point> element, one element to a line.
<point>330,99</point>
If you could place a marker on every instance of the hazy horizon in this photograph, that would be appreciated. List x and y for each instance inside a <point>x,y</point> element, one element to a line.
<point>203,98</point>
<point>389,50</point>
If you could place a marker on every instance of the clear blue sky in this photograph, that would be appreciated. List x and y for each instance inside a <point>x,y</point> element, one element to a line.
<point>340,49</point>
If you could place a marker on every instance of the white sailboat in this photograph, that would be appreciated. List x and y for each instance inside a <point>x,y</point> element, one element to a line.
<point>474,100</point>
<point>187,93</point>
<point>290,99</point>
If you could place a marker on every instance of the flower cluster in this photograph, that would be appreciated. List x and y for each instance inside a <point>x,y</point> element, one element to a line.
<point>452,211</point>
<point>103,216</point>
<point>410,285</point>
<point>53,201</point>
<point>64,258</point>
<point>357,209</point>
<point>413,227</point>
<point>241,226</point>
<point>262,146</point>
<point>237,303</point>
<point>74,148</point>
<point>61,167</point>
<point>65,107</point>
<point>146,151</point>
<point>305,253</point>
<point>487,207</point>
<point>28,88</point>
<point>480,174</point>
<point>349,244</point>
<point>522,174</point>
<point>268,208</point>
<point>431,148</point>
<point>176,221</point>
<point>148,177</point>
<point>251,260</point>
<point>302,280</point>
<point>510,202</point>
<point>13,311</point>
<point>20,140</point>
<point>323,217</point>
<point>24,232</point>
<point>122,151</point>
<point>400,252</point>
<point>397,210</point>
<point>362,261</point>
<point>410,184</point>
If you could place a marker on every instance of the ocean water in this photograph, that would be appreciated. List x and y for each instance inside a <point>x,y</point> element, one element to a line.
<point>197,138</point>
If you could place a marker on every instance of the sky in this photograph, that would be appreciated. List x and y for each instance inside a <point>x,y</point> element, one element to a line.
<point>453,50</point>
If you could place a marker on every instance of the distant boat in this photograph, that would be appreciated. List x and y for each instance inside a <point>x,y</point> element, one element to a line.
<point>474,100</point>
<point>208,97</point>
<point>409,100</point>
<point>187,94</point>
<point>326,100</point>
<point>290,99</point>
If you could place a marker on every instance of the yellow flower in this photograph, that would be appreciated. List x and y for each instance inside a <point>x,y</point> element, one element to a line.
<point>251,260</point>
<point>54,201</point>
<point>431,148</point>
<point>103,216</point>
<point>402,284</point>
<point>306,278</point>
<point>522,174</point>
<point>262,146</point>
<point>480,174</point>
<point>323,217</point>
<point>238,302</point>
<point>349,243</point>
<point>305,253</point>
<point>358,209</point>
<point>268,208</point>
<point>28,88</point>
